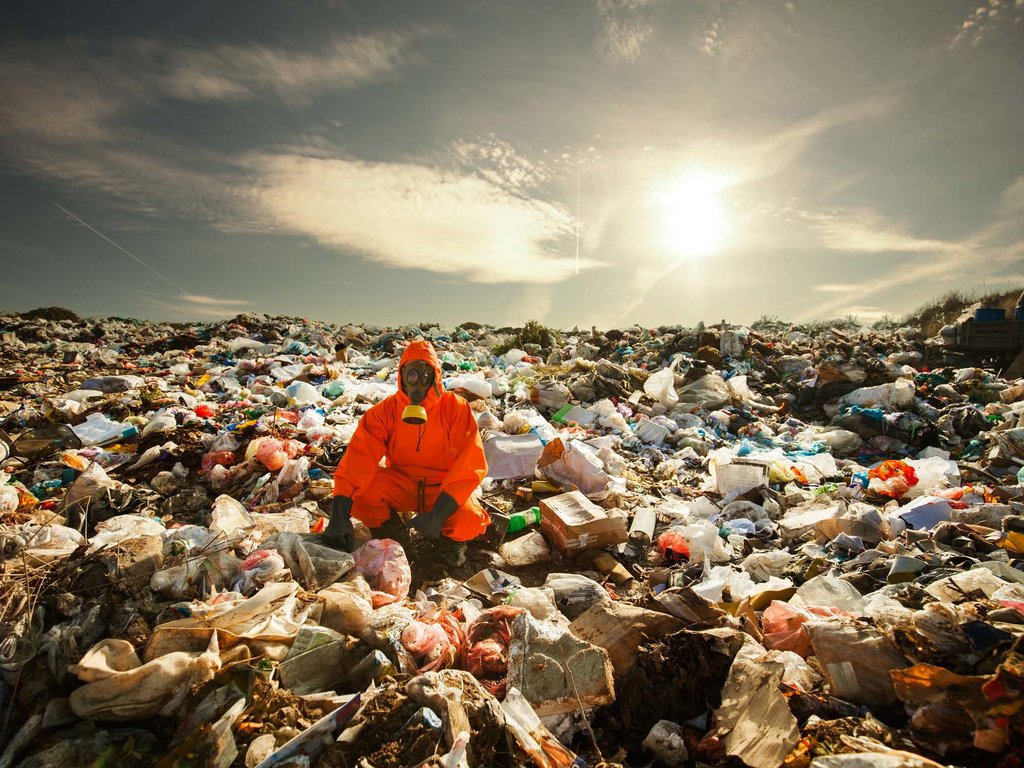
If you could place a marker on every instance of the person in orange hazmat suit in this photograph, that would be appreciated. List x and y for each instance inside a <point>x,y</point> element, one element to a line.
<point>434,461</point>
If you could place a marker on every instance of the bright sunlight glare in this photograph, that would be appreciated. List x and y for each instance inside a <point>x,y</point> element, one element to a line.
<point>694,217</point>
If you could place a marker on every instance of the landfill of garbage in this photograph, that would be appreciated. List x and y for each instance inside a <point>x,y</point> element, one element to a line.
<point>709,546</point>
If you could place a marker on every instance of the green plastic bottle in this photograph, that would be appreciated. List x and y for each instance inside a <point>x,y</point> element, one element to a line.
<point>519,520</point>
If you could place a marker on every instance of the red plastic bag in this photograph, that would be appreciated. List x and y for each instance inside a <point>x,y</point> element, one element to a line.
<point>782,626</point>
<point>273,453</point>
<point>486,650</point>
<point>217,459</point>
<point>672,545</point>
<point>386,568</point>
<point>436,643</point>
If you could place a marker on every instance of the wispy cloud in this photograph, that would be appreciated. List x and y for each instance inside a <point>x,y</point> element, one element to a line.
<point>68,110</point>
<point>984,20</point>
<point>863,230</point>
<point>626,28</point>
<point>194,305</point>
<point>502,163</point>
<point>995,249</point>
<point>69,92</point>
<point>416,216</point>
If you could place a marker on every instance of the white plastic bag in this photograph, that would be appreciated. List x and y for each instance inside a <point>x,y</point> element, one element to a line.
<point>661,385</point>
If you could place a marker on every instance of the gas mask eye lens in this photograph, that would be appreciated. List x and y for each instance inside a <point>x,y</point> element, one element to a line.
<point>416,375</point>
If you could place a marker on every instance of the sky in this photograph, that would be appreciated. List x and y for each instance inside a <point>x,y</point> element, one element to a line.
<point>580,162</point>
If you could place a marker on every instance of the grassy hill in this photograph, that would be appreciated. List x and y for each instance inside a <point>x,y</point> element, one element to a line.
<point>947,308</point>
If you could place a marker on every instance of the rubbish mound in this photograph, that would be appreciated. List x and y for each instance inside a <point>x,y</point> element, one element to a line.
<point>709,546</point>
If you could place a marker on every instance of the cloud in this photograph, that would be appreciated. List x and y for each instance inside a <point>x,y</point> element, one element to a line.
<point>417,217</point>
<point>863,230</point>
<point>626,28</point>
<point>710,42</point>
<point>833,288</point>
<point>501,163</point>
<point>994,250</point>
<point>194,305</point>
<point>68,110</point>
<point>985,19</point>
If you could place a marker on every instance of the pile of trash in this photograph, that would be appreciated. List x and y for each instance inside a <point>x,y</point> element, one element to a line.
<point>709,546</point>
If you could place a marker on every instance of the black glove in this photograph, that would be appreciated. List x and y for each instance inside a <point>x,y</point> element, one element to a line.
<point>339,533</point>
<point>429,524</point>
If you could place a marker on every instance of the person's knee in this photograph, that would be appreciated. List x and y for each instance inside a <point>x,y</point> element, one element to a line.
<point>372,515</point>
<point>467,522</point>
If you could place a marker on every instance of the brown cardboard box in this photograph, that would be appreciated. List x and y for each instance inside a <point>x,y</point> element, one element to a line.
<point>572,522</point>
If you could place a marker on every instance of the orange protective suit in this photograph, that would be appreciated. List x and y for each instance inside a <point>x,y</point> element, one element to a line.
<point>445,454</point>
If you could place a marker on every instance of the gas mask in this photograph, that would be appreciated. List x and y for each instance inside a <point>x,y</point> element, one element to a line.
<point>416,379</point>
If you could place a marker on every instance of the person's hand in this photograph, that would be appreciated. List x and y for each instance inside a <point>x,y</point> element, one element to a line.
<point>340,534</point>
<point>429,524</point>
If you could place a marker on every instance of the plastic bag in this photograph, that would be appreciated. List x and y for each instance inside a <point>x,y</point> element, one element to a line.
<point>257,570</point>
<point>709,392</point>
<point>386,568</point>
<point>575,594</point>
<point>661,385</point>
<point>571,465</point>
<point>894,396</point>
<point>119,687</point>
<point>273,453</point>
<point>782,626</point>
<point>302,393</point>
<point>672,545</point>
<point>314,565</point>
<point>892,478</point>
<point>229,517</point>
<point>488,637</point>
<point>120,527</point>
<point>348,605</point>
<point>763,565</point>
<point>706,546</point>
<point>830,592</point>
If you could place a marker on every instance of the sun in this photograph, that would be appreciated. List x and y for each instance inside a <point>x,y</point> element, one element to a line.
<point>694,218</point>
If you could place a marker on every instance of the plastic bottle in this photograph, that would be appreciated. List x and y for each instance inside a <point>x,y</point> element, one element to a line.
<point>519,520</point>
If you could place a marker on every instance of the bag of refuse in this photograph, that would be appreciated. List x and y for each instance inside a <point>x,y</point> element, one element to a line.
<point>486,651</point>
<point>575,594</point>
<point>782,626</point>
<point>892,478</point>
<point>259,569</point>
<point>709,392</point>
<point>386,568</point>
<point>894,396</point>
<point>273,453</point>
<point>661,385</point>
<point>119,687</point>
<point>230,518</point>
<point>348,605</point>
<point>314,565</point>
<point>571,465</point>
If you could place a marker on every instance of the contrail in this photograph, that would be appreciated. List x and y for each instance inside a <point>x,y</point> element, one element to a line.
<point>123,250</point>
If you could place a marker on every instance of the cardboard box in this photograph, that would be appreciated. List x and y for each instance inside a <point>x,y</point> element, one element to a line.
<point>573,523</point>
